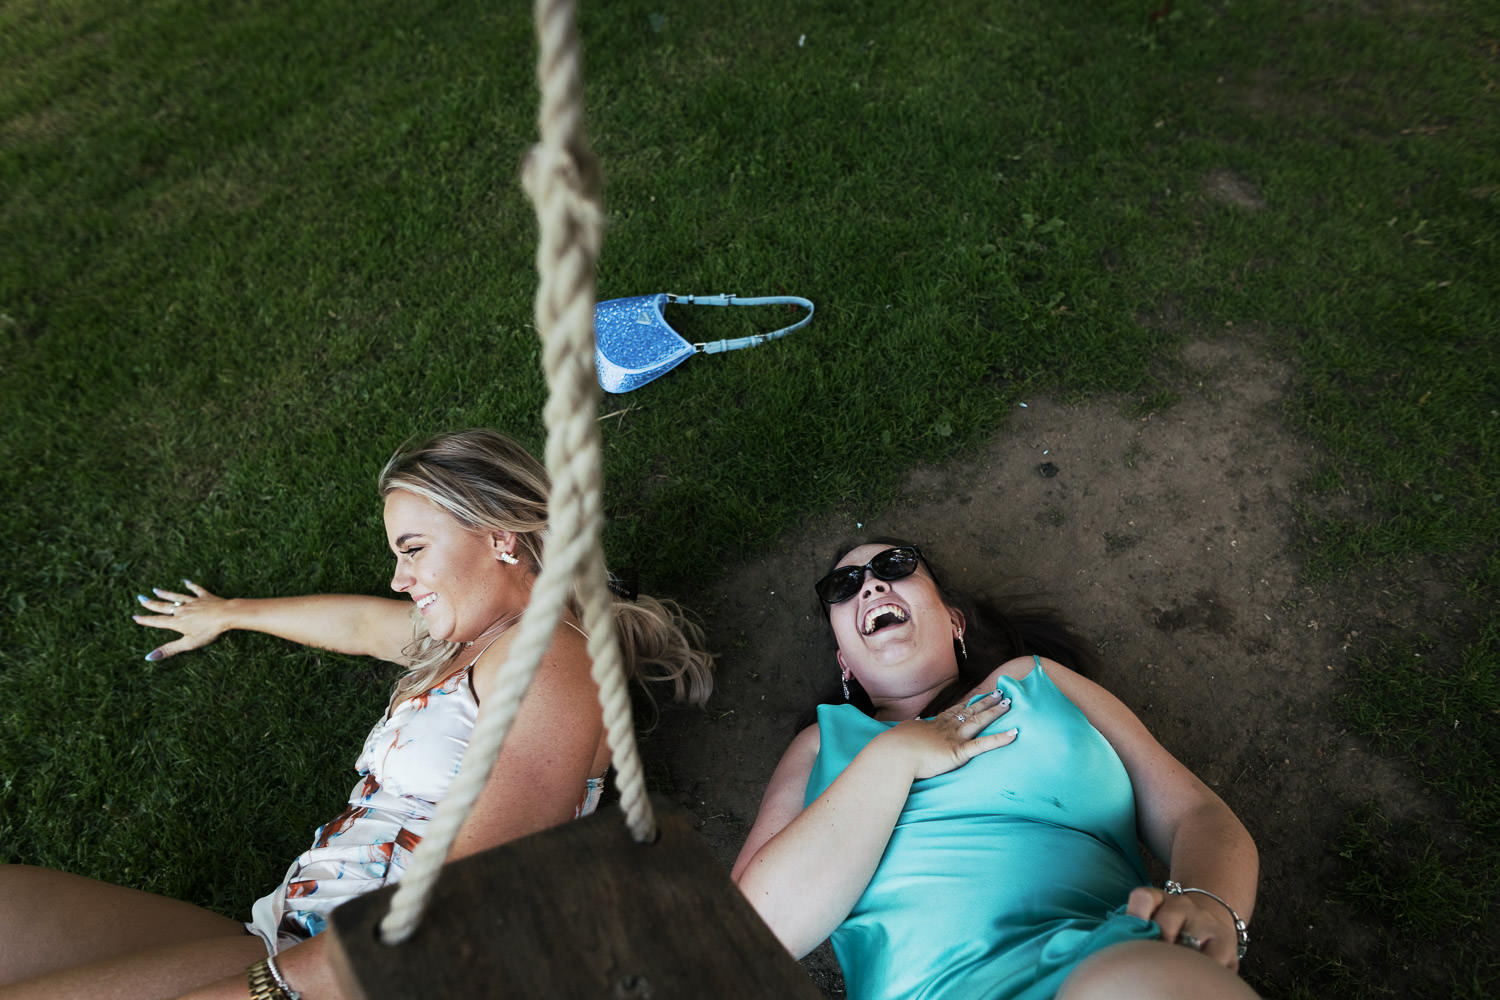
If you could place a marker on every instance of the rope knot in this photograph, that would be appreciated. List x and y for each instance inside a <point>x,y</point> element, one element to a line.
<point>555,180</point>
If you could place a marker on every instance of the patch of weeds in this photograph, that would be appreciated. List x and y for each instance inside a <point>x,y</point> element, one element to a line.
<point>1332,975</point>
<point>1429,882</point>
<point>1434,911</point>
<point>1155,402</point>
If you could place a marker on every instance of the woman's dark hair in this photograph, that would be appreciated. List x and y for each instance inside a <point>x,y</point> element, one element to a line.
<point>995,630</point>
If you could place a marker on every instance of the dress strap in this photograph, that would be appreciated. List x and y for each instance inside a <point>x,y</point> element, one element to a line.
<point>469,670</point>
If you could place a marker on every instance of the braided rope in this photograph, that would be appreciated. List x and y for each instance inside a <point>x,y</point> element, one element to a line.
<point>562,177</point>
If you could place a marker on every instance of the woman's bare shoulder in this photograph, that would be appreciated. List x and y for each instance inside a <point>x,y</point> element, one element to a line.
<point>806,743</point>
<point>566,661</point>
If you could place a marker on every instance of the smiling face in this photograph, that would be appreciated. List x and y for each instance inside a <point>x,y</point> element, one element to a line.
<point>454,575</point>
<point>895,636</point>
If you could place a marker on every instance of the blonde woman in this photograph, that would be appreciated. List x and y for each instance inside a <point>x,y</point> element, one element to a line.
<point>466,520</point>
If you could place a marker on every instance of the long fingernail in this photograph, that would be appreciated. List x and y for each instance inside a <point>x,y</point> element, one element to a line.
<point>1005,702</point>
<point>154,655</point>
<point>186,582</point>
<point>142,598</point>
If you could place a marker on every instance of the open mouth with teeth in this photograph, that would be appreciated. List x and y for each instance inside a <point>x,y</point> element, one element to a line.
<point>426,602</point>
<point>882,616</point>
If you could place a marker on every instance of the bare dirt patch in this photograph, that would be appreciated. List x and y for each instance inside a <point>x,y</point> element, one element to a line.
<point>1167,538</point>
<point>1230,188</point>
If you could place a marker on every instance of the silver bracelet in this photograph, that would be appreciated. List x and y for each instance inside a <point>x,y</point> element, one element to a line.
<point>1241,931</point>
<point>294,995</point>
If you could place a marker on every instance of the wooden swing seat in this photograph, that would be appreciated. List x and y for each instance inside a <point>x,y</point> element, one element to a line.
<point>580,910</point>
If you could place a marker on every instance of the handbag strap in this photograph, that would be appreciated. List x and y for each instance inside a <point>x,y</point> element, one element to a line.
<point>719,346</point>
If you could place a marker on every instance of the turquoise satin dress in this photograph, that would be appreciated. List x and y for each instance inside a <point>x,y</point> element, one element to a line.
<point>1000,876</point>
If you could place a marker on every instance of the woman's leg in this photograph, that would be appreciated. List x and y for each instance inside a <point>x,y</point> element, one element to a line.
<point>50,921</point>
<point>155,974</point>
<point>1155,970</point>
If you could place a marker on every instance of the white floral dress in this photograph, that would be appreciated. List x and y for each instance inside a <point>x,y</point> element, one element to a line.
<point>409,759</point>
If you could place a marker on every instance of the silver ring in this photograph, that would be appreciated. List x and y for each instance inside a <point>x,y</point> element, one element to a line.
<point>1188,941</point>
<point>176,604</point>
<point>961,717</point>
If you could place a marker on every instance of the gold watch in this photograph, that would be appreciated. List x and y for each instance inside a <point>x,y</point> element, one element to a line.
<point>265,984</point>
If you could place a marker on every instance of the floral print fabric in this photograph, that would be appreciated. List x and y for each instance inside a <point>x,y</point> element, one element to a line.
<point>408,762</point>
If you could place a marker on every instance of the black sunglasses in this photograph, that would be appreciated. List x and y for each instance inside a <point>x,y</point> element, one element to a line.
<point>891,564</point>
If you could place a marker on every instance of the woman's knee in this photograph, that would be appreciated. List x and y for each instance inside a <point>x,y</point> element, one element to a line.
<point>1152,969</point>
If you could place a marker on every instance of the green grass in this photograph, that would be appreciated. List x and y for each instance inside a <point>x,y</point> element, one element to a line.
<point>250,248</point>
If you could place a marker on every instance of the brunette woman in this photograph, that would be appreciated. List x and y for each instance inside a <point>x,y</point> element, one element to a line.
<point>966,824</point>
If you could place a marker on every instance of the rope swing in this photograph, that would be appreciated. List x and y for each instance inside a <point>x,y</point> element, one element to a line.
<point>580,909</point>
<point>563,178</point>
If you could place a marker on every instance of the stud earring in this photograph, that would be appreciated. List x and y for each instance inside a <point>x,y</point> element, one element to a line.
<point>962,648</point>
<point>508,559</point>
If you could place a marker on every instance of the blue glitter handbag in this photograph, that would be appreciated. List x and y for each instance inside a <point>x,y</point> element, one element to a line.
<point>634,343</point>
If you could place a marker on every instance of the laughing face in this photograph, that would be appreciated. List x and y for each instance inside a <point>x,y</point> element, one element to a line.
<point>454,575</point>
<point>895,636</point>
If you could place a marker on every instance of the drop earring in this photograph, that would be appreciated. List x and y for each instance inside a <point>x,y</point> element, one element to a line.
<point>844,681</point>
<point>508,559</point>
<point>962,648</point>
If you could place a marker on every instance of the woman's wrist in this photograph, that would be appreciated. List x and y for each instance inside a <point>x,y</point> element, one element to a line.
<point>1241,929</point>
<point>266,982</point>
<point>236,613</point>
<point>896,753</point>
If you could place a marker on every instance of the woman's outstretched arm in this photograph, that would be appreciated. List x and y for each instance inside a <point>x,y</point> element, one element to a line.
<point>345,623</point>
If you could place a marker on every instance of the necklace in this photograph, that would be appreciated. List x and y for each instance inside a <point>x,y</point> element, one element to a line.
<point>497,628</point>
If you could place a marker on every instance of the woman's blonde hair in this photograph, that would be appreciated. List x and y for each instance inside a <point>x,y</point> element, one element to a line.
<point>488,482</point>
